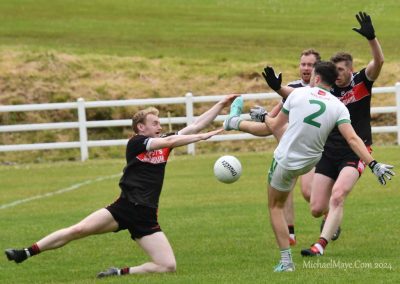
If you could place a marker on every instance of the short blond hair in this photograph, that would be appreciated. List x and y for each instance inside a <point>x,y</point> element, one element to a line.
<point>140,117</point>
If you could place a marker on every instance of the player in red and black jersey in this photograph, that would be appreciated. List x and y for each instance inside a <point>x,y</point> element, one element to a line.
<point>147,153</point>
<point>339,168</point>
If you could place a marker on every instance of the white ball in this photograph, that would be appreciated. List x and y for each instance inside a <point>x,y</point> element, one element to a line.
<point>227,169</point>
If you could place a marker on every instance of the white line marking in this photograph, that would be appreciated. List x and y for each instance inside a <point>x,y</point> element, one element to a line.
<point>60,191</point>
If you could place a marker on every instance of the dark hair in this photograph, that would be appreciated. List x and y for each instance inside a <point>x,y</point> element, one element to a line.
<point>327,71</point>
<point>342,56</point>
<point>311,51</point>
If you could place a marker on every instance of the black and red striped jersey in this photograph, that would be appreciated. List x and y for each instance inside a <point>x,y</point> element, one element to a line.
<point>357,98</point>
<point>143,175</point>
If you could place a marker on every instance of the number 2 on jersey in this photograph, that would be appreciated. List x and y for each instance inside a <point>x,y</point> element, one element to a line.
<point>310,119</point>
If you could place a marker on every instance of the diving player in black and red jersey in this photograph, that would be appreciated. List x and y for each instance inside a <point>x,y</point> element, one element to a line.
<point>135,210</point>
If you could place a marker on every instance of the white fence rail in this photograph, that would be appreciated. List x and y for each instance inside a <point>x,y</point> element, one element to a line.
<point>189,100</point>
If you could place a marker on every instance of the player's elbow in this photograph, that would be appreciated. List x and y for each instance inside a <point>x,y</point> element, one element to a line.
<point>381,60</point>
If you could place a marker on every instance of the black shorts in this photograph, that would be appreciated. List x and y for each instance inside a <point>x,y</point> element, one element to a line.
<point>139,220</point>
<point>331,165</point>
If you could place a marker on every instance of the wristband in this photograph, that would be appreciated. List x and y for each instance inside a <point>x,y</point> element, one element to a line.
<point>372,164</point>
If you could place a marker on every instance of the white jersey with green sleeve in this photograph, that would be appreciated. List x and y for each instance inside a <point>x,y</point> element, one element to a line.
<point>313,113</point>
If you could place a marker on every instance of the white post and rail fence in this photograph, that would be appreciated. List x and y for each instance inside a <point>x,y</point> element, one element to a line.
<point>189,100</point>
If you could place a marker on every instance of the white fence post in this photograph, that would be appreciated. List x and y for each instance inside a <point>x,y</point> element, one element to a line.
<point>397,87</point>
<point>189,119</point>
<point>82,130</point>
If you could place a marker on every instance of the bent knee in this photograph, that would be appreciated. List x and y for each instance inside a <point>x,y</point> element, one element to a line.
<point>318,209</point>
<point>337,200</point>
<point>170,266</point>
<point>317,212</point>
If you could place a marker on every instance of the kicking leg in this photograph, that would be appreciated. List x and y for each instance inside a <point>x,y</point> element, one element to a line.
<point>255,128</point>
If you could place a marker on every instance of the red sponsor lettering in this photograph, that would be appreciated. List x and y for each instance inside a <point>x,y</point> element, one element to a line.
<point>357,93</point>
<point>154,156</point>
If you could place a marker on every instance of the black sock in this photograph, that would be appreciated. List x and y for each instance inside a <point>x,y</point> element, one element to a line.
<point>291,229</point>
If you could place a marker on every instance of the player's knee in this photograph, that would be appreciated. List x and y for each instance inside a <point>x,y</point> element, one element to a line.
<point>337,200</point>
<point>170,266</point>
<point>77,231</point>
<point>317,209</point>
<point>306,194</point>
<point>317,212</point>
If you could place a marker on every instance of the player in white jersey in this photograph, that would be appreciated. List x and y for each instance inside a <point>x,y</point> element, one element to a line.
<point>297,150</point>
<point>310,114</point>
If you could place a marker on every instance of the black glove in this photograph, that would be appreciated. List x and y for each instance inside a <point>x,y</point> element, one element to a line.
<point>381,171</point>
<point>272,81</point>
<point>366,29</point>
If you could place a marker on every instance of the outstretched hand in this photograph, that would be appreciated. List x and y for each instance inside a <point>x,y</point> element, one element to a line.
<point>207,135</point>
<point>381,171</point>
<point>272,80</point>
<point>228,99</point>
<point>366,28</point>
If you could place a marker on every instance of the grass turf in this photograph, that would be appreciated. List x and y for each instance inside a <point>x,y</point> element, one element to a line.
<point>220,233</point>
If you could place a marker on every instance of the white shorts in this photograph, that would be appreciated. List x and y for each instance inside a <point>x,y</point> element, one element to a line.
<point>282,179</point>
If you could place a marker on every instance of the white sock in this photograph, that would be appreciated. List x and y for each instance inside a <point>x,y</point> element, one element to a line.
<point>234,122</point>
<point>320,248</point>
<point>286,256</point>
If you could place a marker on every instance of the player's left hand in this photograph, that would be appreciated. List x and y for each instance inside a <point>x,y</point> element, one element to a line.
<point>381,171</point>
<point>366,29</point>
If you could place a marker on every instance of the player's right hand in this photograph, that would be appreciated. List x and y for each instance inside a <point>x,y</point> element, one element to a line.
<point>258,113</point>
<point>381,171</point>
<point>366,29</point>
<point>273,81</point>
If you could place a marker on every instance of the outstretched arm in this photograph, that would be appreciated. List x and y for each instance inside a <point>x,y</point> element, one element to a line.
<point>357,145</point>
<point>206,118</point>
<point>355,142</point>
<point>180,140</point>
<point>375,65</point>
<point>367,30</point>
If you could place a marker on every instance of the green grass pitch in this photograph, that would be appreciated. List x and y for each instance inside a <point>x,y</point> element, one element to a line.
<point>220,233</point>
